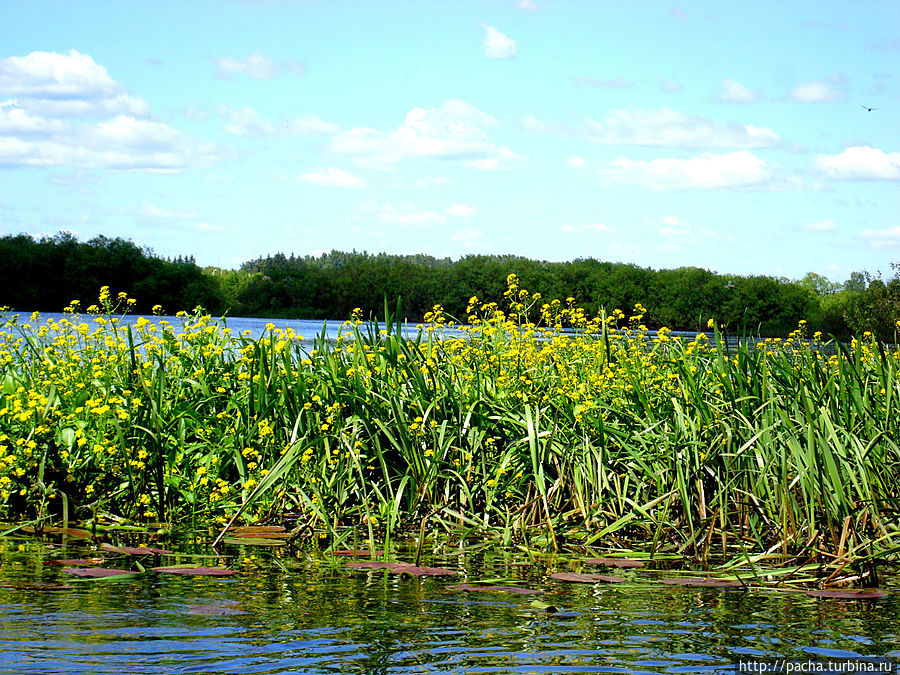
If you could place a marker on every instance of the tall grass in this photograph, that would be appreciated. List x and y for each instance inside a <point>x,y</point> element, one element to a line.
<point>532,423</point>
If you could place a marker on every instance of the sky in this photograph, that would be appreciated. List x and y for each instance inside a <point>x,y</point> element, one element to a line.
<point>733,136</point>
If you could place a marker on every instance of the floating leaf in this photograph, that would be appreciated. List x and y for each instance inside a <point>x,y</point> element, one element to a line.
<point>400,568</point>
<point>850,593</point>
<point>576,578</point>
<point>705,582</point>
<point>135,550</point>
<point>98,572</point>
<point>358,553</point>
<point>78,562</point>
<point>196,571</point>
<point>615,562</point>
<point>484,588</point>
<point>67,531</point>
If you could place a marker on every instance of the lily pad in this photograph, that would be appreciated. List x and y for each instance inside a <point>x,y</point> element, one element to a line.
<point>196,571</point>
<point>850,593</point>
<point>97,572</point>
<point>615,562</point>
<point>401,568</point>
<point>705,582</point>
<point>485,588</point>
<point>135,550</point>
<point>575,578</point>
<point>73,532</point>
<point>544,607</point>
<point>77,562</point>
<point>357,553</point>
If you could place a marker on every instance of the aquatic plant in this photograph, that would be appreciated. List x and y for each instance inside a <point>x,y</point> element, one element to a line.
<point>534,423</point>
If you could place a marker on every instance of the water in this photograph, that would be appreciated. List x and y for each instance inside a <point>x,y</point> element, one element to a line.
<point>284,614</point>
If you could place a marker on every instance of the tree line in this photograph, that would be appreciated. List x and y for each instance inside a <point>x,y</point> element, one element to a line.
<point>48,273</point>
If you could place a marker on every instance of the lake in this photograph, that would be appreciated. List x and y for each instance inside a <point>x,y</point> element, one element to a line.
<point>290,612</point>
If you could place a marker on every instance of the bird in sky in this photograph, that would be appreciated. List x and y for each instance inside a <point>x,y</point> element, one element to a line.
<point>867,108</point>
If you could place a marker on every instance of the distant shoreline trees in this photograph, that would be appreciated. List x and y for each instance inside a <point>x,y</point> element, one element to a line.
<point>48,273</point>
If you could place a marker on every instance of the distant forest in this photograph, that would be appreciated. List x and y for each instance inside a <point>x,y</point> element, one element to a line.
<point>47,274</point>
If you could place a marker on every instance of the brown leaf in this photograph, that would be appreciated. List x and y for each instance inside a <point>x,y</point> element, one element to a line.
<point>485,588</point>
<point>400,568</point>
<point>96,571</point>
<point>850,593</point>
<point>135,550</point>
<point>576,578</point>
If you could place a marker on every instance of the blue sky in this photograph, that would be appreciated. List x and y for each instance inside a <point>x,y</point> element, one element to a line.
<point>725,135</point>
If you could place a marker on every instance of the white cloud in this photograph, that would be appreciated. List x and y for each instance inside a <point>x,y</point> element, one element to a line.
<point>705,171</point>
<point>460,211</point>
<point>403,215</point>
<point>50,75</point>
<point>454,132</point>
<point>668,128</point>
<point>735,92</point>
<point>663,127</point>
<point>154,212</point>
<point>820,92</point>
<point>44,125</point>
<point>245,121</point>
<point>257,66</point>
<point>576,162</point>
<point>65,85</point>
<point>860,163</point>
<point>497,45</point>
<point>332,177</point>
<point>527,6</point>
<point>826,225</point>
<point>311,125</point>
<point>886,238</point>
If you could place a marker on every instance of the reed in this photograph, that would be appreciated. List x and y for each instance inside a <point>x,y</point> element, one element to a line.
<point>528,422</point>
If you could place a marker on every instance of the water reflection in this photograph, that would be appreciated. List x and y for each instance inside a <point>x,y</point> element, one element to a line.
<point>317,617</point>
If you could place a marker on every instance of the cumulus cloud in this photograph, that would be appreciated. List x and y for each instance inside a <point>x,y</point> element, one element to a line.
<point>576,162</point>
<point>257,66</point>
<point>68,110</point>
<point>245,121</point>
<point>860,163</point>
<point>497,45</point>
<point>454,132</point>
<point>735,92</point>
<point>834,89</point>
<point>331,177</point>
<point>705,171</point>
<point>663,127</point>
<point>886,238</point>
